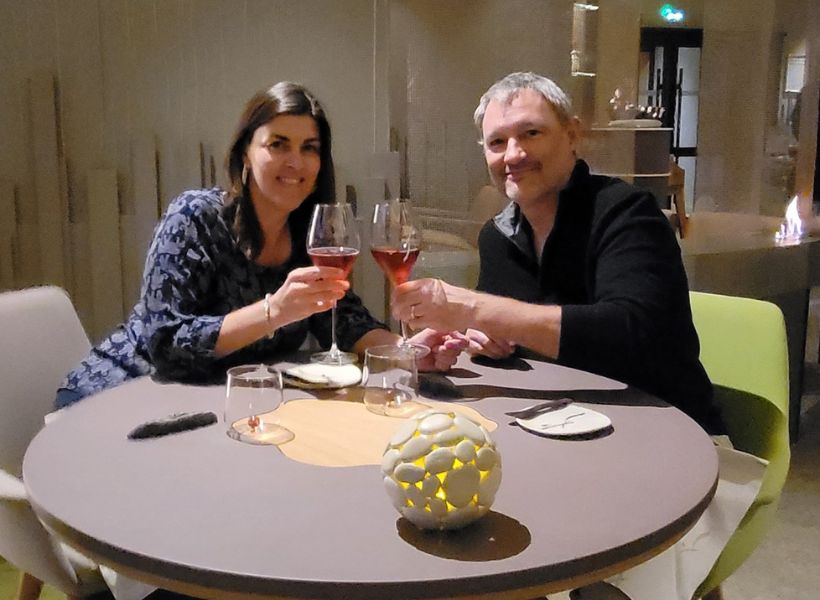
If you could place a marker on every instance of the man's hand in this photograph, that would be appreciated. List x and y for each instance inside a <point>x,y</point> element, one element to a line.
<point>433,303</point>
<point>444,349</point>
<point>480,343</point>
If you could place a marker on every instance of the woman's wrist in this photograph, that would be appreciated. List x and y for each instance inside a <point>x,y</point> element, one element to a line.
<point>269,322</point>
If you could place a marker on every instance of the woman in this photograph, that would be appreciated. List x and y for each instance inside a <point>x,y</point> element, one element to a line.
<point>227,279</point>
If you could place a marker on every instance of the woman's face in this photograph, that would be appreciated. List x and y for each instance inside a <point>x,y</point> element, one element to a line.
<point>283,159</point>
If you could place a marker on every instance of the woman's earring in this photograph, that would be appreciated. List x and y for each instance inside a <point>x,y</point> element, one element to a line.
<point>244,175</point>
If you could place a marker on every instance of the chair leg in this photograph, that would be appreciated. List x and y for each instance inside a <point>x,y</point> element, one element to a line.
<point>715,594</point>
<point>29,588</point>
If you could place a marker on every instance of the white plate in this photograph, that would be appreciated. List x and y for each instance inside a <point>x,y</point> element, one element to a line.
<point>319,376</point>
<point>567,421</point>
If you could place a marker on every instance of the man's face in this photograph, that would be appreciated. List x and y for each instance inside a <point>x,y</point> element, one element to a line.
<point>529,153</point>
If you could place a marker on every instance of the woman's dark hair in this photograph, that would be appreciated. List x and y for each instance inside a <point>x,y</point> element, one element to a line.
<point>284,98</point>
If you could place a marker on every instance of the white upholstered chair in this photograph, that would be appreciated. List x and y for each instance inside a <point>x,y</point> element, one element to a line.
<point>41,339</point>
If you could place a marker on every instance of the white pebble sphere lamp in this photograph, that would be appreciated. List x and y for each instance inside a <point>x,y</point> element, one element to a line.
<point>441,470</point>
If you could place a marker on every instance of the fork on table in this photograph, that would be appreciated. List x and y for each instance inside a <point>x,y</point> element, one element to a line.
<point>537,409</point>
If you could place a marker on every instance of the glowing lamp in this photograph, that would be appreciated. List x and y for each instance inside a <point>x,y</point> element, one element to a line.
<point>441,470</point>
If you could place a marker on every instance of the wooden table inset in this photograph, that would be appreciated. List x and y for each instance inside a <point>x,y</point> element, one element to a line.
<point>206,515</point>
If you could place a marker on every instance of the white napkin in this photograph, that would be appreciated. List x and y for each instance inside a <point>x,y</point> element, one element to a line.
<point>676,573</point>
<point>318,374</point>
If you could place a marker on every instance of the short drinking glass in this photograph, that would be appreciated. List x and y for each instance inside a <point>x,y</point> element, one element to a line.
<point>390,380</point>
<point>253,393</point>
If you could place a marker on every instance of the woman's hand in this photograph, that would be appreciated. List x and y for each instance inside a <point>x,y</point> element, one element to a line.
<point>480,343</point>
<point>307,291</point>
<point>444,349</point>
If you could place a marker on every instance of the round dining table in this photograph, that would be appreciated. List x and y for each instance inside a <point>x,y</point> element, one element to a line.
<point>203,514</point>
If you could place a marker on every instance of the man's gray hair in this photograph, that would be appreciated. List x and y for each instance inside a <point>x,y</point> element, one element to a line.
<point>505,89</point>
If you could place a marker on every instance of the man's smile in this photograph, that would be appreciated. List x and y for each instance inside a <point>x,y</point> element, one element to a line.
<point>518,173</point>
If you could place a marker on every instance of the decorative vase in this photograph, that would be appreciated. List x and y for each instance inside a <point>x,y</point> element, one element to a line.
<point>441,470</point>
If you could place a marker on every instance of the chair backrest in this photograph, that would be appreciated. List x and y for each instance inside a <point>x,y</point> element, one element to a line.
<point>743,345</point>
<point>743,348</point>
<point>41,339</point>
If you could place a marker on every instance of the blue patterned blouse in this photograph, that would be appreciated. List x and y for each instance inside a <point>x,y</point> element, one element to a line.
<point>195,275</point>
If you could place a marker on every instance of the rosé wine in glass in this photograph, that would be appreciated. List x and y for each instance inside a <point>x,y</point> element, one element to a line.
<point>395,263</point>
<point>334,256</point>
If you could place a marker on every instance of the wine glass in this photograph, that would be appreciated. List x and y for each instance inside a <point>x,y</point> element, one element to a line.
<point>253,393</point>
<point>390,380</point>
<point>333,241</point>
<point>395,243</point>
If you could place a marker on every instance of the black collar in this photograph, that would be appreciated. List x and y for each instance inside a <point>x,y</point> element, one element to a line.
<point>512,223</point>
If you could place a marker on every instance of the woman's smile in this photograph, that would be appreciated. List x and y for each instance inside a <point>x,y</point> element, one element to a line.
<point>283,159</point>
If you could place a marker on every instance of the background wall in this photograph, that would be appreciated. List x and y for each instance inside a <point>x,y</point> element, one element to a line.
<point>112,107</point>
<point>454,51</point>
<point>736,61</point>
<point>619,36</point>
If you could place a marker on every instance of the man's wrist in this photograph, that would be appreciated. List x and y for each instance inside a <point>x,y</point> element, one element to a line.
<point>471,310</point>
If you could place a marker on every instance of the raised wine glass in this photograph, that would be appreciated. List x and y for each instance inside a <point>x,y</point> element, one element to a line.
<point>395,243</point>
<point>333,241</point>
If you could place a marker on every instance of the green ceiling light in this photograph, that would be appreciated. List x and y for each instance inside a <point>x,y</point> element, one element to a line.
<point>671,14</point>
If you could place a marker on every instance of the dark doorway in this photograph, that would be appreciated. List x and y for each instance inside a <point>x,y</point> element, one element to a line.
<point>670,77</point>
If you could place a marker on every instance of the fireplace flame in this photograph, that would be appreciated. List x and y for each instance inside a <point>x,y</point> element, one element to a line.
<point>791,229</point>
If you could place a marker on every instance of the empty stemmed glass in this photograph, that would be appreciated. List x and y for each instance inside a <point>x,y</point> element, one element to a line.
<point>333,241</point>
<point>253,392</point>
<point>395,243</point>
<point>390,381</point>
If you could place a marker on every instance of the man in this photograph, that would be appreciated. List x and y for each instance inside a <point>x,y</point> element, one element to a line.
<point>581,269</point>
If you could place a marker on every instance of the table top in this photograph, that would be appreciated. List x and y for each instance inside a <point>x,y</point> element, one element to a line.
<point>204,514</point>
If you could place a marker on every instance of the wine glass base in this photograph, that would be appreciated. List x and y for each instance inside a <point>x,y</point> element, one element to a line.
<point>330,358</point>
<point>401,410</point>
<point>418,350</point>
<point>268,435</point>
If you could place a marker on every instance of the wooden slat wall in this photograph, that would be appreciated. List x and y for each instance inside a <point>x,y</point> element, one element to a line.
<point>138,224</point>
<point>148,92</point>
<point>110,109</point>
<point>8,225</point>
<point>52,207</point>
<point>106,259</point>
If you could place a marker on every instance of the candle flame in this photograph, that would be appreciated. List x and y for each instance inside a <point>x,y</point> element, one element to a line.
<point>791,229</point>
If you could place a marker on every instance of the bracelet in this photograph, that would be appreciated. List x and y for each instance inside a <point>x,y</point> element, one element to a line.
<point>272,332</point>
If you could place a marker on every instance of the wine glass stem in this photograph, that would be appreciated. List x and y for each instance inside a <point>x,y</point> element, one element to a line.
<point>334,349</point>
<point>403,327</point>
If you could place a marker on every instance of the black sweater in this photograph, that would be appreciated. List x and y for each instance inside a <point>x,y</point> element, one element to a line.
<point>612,262</point>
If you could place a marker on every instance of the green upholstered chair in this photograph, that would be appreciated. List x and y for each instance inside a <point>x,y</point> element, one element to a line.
<point>743,348</point>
